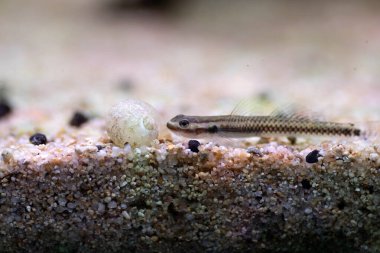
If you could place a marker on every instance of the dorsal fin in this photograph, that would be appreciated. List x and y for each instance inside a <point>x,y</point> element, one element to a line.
<point>249,107</point>
<point>295,113</point>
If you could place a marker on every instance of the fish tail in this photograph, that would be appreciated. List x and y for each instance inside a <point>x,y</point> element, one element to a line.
<point>370,130</point>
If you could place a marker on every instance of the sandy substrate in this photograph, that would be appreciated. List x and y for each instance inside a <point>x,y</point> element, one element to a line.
<point>83,194</point>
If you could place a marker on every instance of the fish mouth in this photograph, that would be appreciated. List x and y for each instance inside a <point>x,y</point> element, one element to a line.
<point>170,126</point>
<point>177,130</point>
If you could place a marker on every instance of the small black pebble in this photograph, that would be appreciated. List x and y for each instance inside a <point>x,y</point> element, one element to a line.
<point>306,184</point>
<point>312,157</point>
<point>99,147</point>
<point>78,119</point>
<point>292,140</point>
<point>5,109</point>
<point>172,210</point>
<point>369,188</point>
<point>193,145</point>
<point>255,151</point>
<point>38,139</point>
<point>341,204</point>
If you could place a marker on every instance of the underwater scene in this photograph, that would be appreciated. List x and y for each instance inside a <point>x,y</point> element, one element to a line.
<point>189,126</point>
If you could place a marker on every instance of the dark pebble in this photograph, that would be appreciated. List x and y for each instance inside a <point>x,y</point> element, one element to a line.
<point>341,204</point>
<point>255,151</point>
<point>78,119</point>
<point>193,145</point>
<point>369,188</point>
<point>292,140</point>
<point>306,184</point>
<point>5,109</point>
<point>312,157</point>
<point>38,139</point>
<point>99,147</point>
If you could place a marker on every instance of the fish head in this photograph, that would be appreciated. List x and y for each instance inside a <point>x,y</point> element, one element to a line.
<point>190,126</point>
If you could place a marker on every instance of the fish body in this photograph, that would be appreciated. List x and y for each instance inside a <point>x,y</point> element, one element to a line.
<point>239,126</point>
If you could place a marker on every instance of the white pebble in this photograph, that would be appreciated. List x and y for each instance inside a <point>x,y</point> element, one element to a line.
<point>374,157</point>
<point>134,122</point>
<point>101,207</point>
<point>126,215</point>
<point>71,205</point>
<point>308,211</point>
<point>62,201</point>
<point>101,153</point>
<point>112,205</point>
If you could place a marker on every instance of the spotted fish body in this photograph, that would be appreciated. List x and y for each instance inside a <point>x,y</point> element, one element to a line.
<point>236,126</point>
<point>267,126</point>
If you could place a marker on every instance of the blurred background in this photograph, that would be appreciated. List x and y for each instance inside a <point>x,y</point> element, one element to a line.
<point>198,56</point>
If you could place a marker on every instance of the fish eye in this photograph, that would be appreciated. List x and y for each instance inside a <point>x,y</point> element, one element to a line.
<point>184,123</point>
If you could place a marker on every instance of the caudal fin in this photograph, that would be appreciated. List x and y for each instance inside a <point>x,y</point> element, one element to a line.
<point>369,130</point>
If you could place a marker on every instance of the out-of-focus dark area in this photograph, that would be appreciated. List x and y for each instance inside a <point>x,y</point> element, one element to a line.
<point>190,56</point>
<point>125,6</point>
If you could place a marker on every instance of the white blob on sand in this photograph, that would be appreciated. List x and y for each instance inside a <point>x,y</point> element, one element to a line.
<point>134,122</point>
